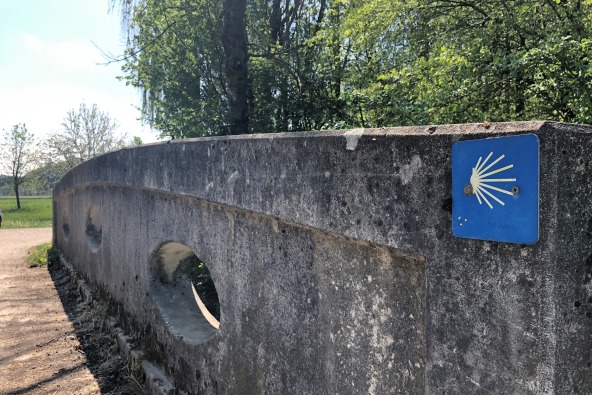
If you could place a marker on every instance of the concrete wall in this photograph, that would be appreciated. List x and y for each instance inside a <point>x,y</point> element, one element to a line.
<point>335,264</point>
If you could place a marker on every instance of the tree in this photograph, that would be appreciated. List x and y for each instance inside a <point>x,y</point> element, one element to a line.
<point>295,65</point>
<point>86,132</point>
<point>19,156</point>
<point>318,64</point>
<point>187,98</point>
<point>234,41</point>
<point>446,61</point>
<point>211,68</point>
<point>45,177</point>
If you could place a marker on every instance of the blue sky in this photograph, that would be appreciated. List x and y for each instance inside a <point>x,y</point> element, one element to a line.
<point>49,65</point>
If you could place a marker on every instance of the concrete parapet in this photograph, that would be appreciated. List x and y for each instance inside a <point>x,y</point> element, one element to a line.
<point>335,265</point>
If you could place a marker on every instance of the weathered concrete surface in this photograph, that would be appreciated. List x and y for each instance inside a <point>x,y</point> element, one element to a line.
<point>335,263</point>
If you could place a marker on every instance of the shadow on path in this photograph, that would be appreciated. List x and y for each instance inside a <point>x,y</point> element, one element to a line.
<point>103,359</point>
<point>58,375</point>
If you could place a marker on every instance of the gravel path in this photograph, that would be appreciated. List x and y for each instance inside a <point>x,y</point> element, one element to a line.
<point>39,349</point>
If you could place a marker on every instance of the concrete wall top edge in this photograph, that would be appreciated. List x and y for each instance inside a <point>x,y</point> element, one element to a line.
<point>475,129</point>
<point>485,128</point>
<point>460,128</point>
<point>419,130</point>
<point>365,183</point>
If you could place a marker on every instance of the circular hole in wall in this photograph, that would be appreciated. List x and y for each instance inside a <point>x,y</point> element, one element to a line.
<point>94,228</point>
<point>184,291</point>
<point>66,224</point>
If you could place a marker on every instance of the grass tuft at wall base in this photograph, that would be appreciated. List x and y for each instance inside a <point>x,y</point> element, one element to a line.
<point>42,255</point>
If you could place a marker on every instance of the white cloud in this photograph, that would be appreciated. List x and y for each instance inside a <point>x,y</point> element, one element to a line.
<point>70,56</point>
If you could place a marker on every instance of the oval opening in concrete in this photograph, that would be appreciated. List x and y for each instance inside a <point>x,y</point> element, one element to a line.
<point>94,228</point>
<point>66,224</point>
<point>184,291</point>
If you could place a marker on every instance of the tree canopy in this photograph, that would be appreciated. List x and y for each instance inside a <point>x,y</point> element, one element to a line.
<point>86,132</point>
<point>19,155</point>
<point>319,64</point>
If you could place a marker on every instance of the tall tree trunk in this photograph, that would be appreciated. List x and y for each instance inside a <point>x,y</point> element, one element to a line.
<point>275,23</point>
<point>234,41</point>
<point>18,198</point>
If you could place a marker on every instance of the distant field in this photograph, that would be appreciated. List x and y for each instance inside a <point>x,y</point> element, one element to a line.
<point>35,212</point>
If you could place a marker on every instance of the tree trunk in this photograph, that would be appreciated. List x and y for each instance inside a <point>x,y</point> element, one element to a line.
<point>275,23</point>
<point>234,41</point>
<point>18,198</point>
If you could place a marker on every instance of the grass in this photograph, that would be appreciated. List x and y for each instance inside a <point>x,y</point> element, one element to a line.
<point>35,212</point>
<point>41,255</point>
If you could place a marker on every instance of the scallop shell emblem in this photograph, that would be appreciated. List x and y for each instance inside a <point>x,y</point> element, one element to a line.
<point>480,181</point>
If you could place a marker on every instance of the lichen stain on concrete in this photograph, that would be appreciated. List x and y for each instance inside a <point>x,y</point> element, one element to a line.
<point>371,324</point>
<point>380,342</point>
<point>352,137</point>
<point>275,225</point>
<point>408,171</point>
<point>372,388</point>
<point>230,218</point>
<point>232,177</point>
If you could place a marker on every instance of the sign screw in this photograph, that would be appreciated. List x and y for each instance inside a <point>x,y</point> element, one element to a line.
<point>468,190</point>
<point>515,190</point>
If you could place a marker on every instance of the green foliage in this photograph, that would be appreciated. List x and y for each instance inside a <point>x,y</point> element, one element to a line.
<point>19,155</point>
<point>315,64</point>
<point>448,61</point>
<point>44,178</point>
<point>204,286</point>
<point>86,132</point>
<point>36,212</point>
<point>175,59</point>
<point>42,255</point>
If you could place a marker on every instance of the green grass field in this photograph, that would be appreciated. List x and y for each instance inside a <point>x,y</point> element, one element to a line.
<point>35,212</point>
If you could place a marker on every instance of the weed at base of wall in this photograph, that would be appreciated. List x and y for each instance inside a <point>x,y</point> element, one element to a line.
<point>42,255</point>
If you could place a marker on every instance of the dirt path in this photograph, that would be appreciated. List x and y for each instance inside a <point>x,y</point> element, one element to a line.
<point>39,349</point>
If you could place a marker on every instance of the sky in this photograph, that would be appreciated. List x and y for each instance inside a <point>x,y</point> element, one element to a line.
<point>49,64</point>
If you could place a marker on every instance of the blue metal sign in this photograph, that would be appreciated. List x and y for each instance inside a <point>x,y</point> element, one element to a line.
<point>495,189</point>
